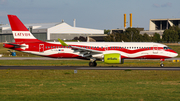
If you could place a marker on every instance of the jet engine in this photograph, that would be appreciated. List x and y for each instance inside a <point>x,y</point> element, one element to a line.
<point>112,58</point>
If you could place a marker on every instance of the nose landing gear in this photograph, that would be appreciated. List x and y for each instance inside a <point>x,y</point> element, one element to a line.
<point>162,65</point>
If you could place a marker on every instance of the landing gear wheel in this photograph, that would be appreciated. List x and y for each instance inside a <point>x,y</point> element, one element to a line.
<point>162,65</point>
<point>93,64</point>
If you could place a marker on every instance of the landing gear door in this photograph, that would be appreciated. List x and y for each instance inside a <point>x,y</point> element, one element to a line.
<point>41,47</point>
<point>155,49</point>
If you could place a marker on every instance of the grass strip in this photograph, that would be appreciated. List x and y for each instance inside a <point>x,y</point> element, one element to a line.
<point>88,85</point>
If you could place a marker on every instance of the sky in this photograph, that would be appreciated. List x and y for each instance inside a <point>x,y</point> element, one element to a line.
<point>96,14</point>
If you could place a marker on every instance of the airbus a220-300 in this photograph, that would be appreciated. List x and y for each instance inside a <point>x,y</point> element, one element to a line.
<point>109,52</point>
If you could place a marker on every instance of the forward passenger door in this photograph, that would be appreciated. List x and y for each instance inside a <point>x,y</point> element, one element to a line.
<point>155,49</point>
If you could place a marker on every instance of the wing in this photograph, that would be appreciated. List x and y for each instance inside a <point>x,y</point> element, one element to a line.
<point>84,52</point>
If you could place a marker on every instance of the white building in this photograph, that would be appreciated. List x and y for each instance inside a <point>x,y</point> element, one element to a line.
<point>50,31</point>
<point>67,32</point>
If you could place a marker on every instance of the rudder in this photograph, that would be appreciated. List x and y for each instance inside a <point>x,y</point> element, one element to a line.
<point>19,30</point>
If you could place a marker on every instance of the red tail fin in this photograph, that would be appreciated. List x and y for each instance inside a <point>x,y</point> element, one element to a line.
<point>16,24</point>
<point>20,32</point>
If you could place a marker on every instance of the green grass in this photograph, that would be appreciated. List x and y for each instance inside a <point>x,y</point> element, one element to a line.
<point>129,63</point>
<point>89,85</point>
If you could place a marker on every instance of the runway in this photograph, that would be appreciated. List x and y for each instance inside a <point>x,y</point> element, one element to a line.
<point>85,68</point>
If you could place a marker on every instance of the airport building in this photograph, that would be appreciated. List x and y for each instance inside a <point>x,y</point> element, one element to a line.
<point>159,25</point>
<point>51,31</point>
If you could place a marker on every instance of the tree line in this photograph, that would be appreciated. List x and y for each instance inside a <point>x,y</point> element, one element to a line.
<point>133,35</point>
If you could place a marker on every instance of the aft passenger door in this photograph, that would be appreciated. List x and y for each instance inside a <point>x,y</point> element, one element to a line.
<point>41,47</point>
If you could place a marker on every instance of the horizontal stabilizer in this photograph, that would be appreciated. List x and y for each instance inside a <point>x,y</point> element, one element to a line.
<point>16,45</point>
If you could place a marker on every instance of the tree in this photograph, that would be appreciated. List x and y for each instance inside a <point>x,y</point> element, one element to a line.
<point>170,35</point>
<point>177,29</point>
<point>81,38</point>
<point>76,38</point>
<point>156,37</point>
<point>141,39</point>
<point>130,34</point>
<point>107,31</point>
<point>146,38</point>
<point>133,34</point>
<point>116,37</point>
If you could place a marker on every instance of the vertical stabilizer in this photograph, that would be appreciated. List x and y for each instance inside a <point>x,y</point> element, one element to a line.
<point>20,32</point>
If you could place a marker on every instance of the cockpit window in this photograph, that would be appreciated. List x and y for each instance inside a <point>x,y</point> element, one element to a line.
<point>165,48</point>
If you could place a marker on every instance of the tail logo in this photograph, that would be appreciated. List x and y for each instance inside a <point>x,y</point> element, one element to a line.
<point>22,34</point>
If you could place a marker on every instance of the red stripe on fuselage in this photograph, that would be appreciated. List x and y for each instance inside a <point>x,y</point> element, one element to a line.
<point>63,55</point>
<point>70,55</point>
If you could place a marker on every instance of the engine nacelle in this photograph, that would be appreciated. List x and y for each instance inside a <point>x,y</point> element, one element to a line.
<point>112,58</point>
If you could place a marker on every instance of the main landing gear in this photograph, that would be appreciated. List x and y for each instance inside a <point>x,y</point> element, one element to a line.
<point>92,62</point>
<point>162,65</point>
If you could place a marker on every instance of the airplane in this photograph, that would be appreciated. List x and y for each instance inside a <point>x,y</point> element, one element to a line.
<point>108,52</point>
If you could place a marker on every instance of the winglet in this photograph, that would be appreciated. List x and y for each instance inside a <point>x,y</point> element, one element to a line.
<point>62,42</point>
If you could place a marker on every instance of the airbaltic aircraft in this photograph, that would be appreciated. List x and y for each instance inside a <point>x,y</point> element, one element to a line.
<point>109,52</point>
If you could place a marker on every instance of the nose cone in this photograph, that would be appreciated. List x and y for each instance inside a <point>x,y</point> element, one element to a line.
<point>174,54</point>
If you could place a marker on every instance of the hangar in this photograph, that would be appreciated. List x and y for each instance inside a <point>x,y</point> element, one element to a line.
<point>50,31</point>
